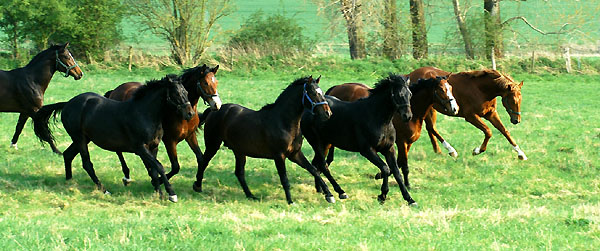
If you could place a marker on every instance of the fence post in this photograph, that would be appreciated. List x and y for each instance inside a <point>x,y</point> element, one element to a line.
<point>567,56</point>
<point>130,56</point>
<point>532,69</point>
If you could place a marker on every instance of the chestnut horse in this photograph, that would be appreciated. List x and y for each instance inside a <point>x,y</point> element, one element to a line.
<point>22,89</point>
<point>130,126</point>
<point>273,132</point>
<point>476,93</point>
<point>426,93</point>
<point>200,82</point>
<point>364,126</point>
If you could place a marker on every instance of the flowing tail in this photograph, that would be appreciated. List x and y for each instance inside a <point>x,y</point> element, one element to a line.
<point>203,116</point>
<point>41,120</point>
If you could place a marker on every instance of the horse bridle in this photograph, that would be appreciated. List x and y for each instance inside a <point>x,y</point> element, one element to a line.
<point>407,104</point>
<point>68,68</point>
<point>205,95</point>
<point>171,102</point>
<point>442,101</point>
<point>510,110</point>
<point>313,104</point>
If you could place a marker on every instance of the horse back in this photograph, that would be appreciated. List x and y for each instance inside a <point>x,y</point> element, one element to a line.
<point>425,73</point>
<point>349,91</point>
<point>124,91</point>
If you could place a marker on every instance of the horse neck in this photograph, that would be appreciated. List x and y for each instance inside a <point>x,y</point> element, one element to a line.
<point>288,107</point>
<point>382,104</point>
<point>420,102</point>
<point>490,89</point>
<point>193,95</point>
<point>41,71</point>
<point>151,105</point>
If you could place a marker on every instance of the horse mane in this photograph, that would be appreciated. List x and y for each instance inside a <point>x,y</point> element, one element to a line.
<point>38,56</point>
<point>153,85</point>
<point>386,83</point>
<point>501,80</point>
<point>191,73</point>
<point>423,84</point>
<point>300,81</point>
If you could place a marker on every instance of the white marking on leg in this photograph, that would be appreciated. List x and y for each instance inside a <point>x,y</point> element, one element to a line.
<point>127,180</point>
<point>450,149</point>
<point>520,152</point>
<point>106,192</point>
<point>476,151</point>
<point>173,198</point>
<point>14,146</point>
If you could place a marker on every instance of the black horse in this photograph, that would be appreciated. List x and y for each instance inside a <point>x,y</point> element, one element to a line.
<point>130,126</point>
<point>363,126</point>
<point>22,89</point>
<point>273,132</point>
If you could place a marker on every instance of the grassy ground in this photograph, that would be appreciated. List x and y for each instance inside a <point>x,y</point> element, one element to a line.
<point>491,201</point>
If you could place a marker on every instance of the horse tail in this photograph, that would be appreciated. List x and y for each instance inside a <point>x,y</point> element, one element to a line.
<point>107,94</point>
<point>41,121</point>
<point>203,116</point>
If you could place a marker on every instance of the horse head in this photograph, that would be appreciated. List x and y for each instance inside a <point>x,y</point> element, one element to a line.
<point>401,96</point>
<point>66,63</point>
<point>313,99</point>
<point>511,101</point>
<point>443,94</point>
<point>206,85</point>
<point>177,97</point>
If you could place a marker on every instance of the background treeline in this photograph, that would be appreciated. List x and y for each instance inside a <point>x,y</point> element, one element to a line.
<point>544,35</point>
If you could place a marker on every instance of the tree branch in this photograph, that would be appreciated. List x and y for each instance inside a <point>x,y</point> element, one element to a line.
<point>560,31</point>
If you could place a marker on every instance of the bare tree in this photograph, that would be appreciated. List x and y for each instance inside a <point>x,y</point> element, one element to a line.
<point>354,25</point>
<point>464,31</point>
<point>493,28</point>
<point>419,31</point>
<point>391,40</point>
<point>185,24</point>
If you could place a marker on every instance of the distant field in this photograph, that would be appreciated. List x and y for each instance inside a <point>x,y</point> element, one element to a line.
<point>492,201</point>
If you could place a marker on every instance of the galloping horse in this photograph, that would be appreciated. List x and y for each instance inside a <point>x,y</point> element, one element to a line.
<point>363,126</point>
<point>426,92</point>
<point>200,82</point>
<point>273,132</point>
<point>22,89</point>
<point>476,93</point>
<point>130,126</point>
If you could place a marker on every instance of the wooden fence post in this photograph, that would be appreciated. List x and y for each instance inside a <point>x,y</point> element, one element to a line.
<point>532,68</point>
<point>567,56</point>
<point>130,56</point>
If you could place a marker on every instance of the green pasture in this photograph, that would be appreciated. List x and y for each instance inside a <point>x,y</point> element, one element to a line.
<point>491,201</point>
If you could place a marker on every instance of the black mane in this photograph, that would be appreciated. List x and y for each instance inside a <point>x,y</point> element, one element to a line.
<point>423,84</point>
<point>386,84</point>
<point>193,73</point>
<point>155,84</point>
<point>43,53</point>
<point>296,82</point>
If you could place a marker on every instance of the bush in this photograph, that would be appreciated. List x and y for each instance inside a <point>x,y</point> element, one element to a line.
<point>271,35</point>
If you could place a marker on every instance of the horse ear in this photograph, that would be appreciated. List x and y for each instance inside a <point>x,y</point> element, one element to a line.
<point>310,79</point>
<point>65,45</point>
<point>521,84</point>
<point>318,79</point>
<point>214,70</point>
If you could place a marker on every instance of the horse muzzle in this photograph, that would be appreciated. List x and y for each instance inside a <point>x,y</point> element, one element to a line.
<point>215,103</point>
<point>515,120</point>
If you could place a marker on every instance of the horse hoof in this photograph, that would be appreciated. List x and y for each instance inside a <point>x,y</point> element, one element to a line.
<point>522,157</point>
<point>453,154</point>
<point>477,151</point>
<point>126,181</point>
<point>378,176</point>
<point>106,192</point>
<point>343,196</point>
<point>173,198</point>
<point>413,205</point>
<point>381,198</point>
<point>14,146</point>
<point>252,197</point>
<point>330,199</point>
<point>197,188</point>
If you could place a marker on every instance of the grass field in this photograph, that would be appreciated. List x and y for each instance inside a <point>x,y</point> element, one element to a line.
<point>491,201</point>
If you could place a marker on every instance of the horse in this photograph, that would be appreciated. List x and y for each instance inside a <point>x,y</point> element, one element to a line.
<point>22,89</point>
<point>273,132</point>
<point>132,126</point>
<point>476,93</point>
<point>363,126</point>
<point>425,93</point>
<point>200,82</point>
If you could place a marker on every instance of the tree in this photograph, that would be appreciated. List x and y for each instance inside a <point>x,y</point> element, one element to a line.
<point>493,28</point>
<point>185,24</point>
<point>354,25</point>
<point>462,26</point>
<point>391,41</point>
<point>419,31</point>
<point>13,14</point>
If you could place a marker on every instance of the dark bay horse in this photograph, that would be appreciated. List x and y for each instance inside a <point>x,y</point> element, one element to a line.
<point>363,126</point>
<point>200,82</point>
<point>425,93</point>
<point>129,126</point>
<point>476,93</point>
<point>22,89</point>
<point>273,132</point>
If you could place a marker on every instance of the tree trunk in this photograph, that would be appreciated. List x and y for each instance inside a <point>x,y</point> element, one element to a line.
<point>391,41</point>
<point>419,31</point>
<point>493,28</point>
<point>462,26</point>
<point>356,37</point>
<point>14,36</point>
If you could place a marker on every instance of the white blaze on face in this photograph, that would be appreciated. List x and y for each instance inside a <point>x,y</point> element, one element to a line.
<point>215,101</point>
<point>453,104</point>
<point>213,79</point>
<point>319,91</point>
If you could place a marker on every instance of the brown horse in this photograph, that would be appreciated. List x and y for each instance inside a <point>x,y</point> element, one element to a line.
<point>22,89</point>
<point>200,82</point>
<point>272,132</point>
<point>425,93</point>
<point>476,93</point>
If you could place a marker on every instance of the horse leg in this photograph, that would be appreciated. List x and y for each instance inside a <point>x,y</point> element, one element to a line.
<point>240,173</point>
<point>171,146</point>
<point>154,165</point>
<point>126,179</point>
<point>330,155</point>
<point>68,157</point>
<point>430,120</point>
<point>477,122</point>
<point>212,146</point>
<point>301,160</point>
<point>329,152</point>
<point>88,166</point>
<point>193,144</point>
<point>495,120</point>
<point>371,155</point>
<point>391,161</point>
<point>20,124</point>
<point>285,183</point>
